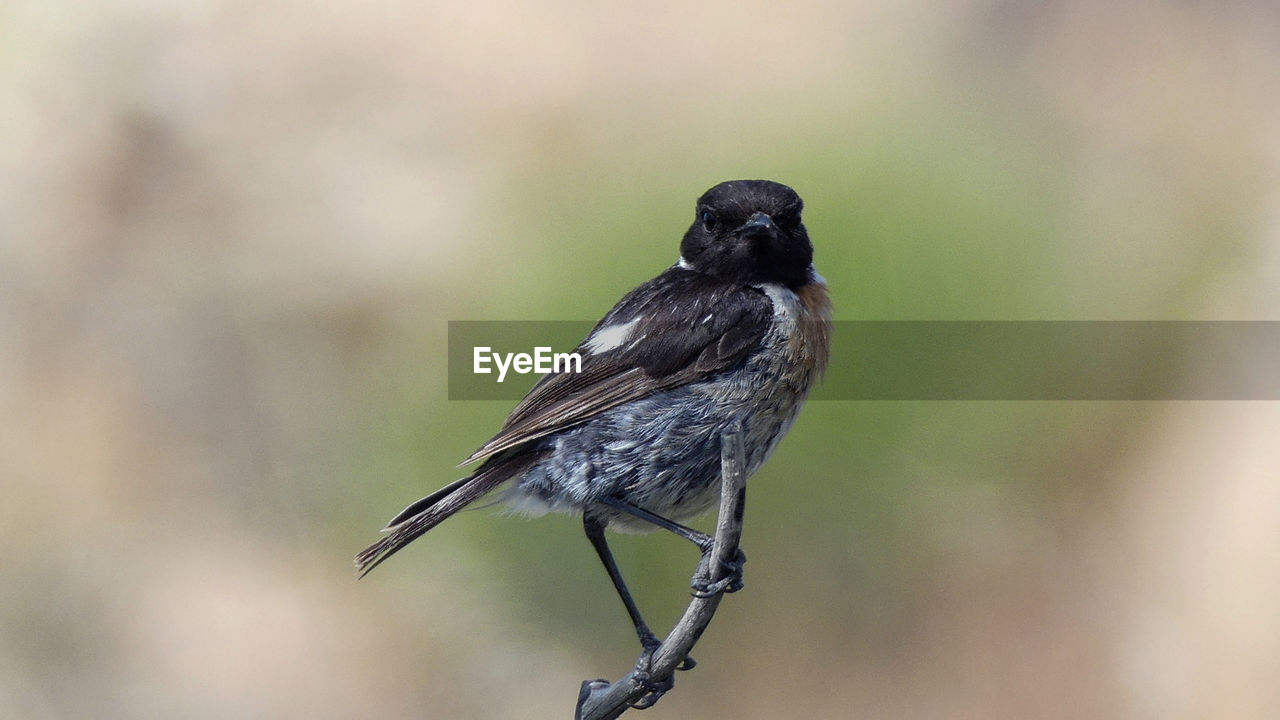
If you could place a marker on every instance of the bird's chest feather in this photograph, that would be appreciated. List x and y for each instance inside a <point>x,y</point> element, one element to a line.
<point>793,353</point>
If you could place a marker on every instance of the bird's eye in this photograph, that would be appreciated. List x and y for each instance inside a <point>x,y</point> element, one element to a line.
<point>708,220</point>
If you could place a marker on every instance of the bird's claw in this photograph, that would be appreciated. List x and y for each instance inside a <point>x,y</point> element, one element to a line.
<point>654,690</point>
<point>702,585</point>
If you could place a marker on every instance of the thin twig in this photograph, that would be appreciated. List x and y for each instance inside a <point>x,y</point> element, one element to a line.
<point>602,700</point>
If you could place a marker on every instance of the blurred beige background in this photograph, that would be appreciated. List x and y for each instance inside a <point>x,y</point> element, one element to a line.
<point>231,236</point>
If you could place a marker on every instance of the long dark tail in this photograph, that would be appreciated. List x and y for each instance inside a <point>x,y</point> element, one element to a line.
<point>434,509</point>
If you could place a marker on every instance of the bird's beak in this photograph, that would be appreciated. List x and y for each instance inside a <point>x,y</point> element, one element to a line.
<point>758,224</point>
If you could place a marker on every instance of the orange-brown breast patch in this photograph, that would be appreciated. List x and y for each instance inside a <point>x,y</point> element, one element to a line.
<point>812,344</point>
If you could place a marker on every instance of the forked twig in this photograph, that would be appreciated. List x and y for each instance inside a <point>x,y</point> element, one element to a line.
<point>602,700</point>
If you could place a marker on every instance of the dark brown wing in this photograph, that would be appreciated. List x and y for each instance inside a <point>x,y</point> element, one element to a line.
<point>684,326</point>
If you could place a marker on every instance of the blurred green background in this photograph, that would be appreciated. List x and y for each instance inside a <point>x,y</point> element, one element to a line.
<point>233,234</point>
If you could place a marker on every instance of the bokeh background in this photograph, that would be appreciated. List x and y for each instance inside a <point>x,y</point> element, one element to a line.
<point>232,234</point>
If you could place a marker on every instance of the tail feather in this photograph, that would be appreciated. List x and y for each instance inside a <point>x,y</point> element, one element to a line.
<point>432,510</point>
<point>418,506</point>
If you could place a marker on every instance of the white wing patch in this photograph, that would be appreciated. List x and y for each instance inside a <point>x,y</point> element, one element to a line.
<point>610,337</point>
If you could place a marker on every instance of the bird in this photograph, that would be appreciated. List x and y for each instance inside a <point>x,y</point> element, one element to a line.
<point>733,335</point>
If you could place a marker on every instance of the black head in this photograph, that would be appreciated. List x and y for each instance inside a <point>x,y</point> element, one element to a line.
<point>749,231</point>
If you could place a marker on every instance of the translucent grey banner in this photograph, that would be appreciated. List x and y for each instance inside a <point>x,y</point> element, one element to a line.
<point>946,360</point>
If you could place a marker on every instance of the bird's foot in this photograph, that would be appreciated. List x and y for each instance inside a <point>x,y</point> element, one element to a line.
<point>643,674</point>
<point>654,689</point>
<point>704,587</point>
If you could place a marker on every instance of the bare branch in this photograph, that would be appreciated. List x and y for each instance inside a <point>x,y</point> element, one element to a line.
<point>602,700</point>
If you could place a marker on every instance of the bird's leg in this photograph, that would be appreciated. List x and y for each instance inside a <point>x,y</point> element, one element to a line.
<point>701,539</point>
<point>702,584</point>
<point>594,528</point>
